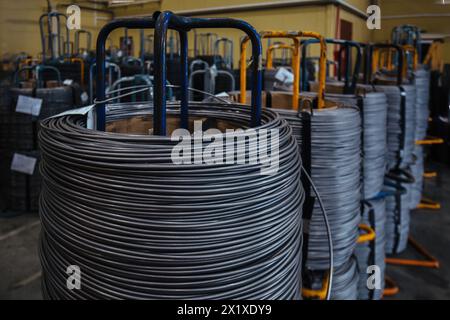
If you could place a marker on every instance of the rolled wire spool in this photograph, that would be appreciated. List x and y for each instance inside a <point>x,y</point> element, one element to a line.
<point>372,252</point>
<point>417,169</point>
<point>141,227</point>
<point>397,215</point>
<point>422,79</point>
<point>335,170</point>
<point>400,142</point>
<point>374,118</point>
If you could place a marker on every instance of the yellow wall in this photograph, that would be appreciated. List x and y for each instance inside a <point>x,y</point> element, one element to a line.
<point>19,27</point>
<point>436,24</point>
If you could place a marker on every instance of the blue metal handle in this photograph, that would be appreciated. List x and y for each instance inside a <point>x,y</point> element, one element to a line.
<point>167,19</point>
<point>130,23</point>
<point>39,69</point>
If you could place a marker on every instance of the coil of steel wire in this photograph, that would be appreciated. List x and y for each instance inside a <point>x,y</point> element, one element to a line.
<point>141,227</point>
<point>397,216</point>
<point>417,169</point>
<point>335,170</point>
<point>372,253</point>
<point>345,282</point>
<point>374,118</point>
<point>422,78</point>
<point>400,126</point>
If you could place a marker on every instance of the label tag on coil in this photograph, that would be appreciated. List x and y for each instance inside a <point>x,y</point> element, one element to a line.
<point>284,75</point>
<point>29,105</point>
<point>68,82</point>
<point>23,164</point>
<point>79,111</point>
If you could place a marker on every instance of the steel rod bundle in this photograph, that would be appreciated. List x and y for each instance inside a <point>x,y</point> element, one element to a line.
<point>141,227</point>
<point>373,252</point>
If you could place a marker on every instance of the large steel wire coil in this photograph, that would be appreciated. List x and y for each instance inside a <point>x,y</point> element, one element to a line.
<point>374,118</point>
<point>400,124</point>
<point>373,252</point>
<point>397,217</point>
<point>335,170</point>
<point>141,227</point>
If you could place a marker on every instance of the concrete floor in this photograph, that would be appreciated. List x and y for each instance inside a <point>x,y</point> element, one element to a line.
<point>20,268</point>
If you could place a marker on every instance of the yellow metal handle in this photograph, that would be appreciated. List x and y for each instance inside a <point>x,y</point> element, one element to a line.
<point>429,141</point>
<point>317,294</point>
<point>369,234</point>
<point>272,48</point>
<point>295,64</point>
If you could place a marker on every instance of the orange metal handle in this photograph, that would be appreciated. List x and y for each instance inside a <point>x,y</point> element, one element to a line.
<point>430,174</point>
<point>429,141</point>
<point>317,294</point>
<point>296,58</point>
<point>426,203</point>
<point>295,64</point>
<point>369,234</point>
<point>272,48</point>
<point>81,62</point>
<point>430,262</point>
<point>391,287</point>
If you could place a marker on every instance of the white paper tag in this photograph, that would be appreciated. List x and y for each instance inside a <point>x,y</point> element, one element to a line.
<point>24,164</point>
<point>68,82</point>
<point>223,94</point>
<point>80,111</point>
<point>29,105</point>
<point>284,75</point>
<point>84,97</point>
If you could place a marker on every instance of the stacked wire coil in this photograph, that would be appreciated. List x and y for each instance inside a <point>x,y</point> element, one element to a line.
<point>422,79</point>
<point>400,124</point>
<point>141,227</point>
<point>345,281</point>
<point>22,189</point>
<point>335,170</point>
<point>372,253</point>
<point>397,216</point>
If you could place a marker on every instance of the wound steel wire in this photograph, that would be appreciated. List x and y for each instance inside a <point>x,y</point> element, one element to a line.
<point>397,216</point>
<point>372,252</point>
<point>400,137</point>
<point>140,227</point>
<point>335,170</point>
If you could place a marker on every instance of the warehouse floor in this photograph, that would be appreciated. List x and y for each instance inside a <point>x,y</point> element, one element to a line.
<point>20,268</point>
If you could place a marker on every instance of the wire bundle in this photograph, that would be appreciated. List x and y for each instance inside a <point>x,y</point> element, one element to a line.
<point>397,217</point>
<point>374,118</point>
<point>345,281</point>
<point>422,78</point>
<point>335,169</point>
<point>141,227</point>
<point>400,126</point>
<point>372,253</point>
